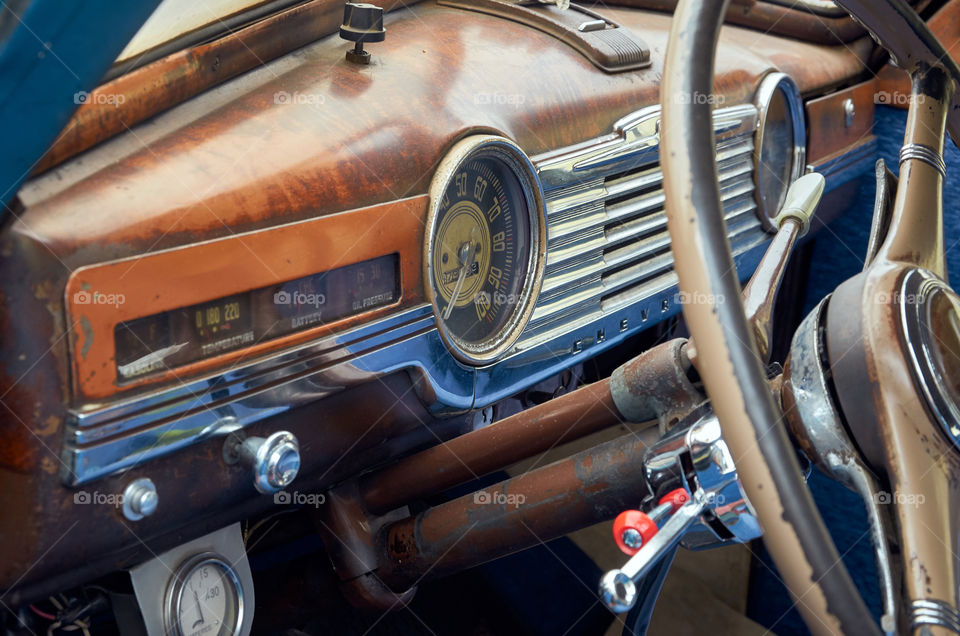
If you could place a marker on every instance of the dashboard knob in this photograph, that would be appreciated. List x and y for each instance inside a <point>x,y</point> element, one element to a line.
<point>274,460</point>
<point>140,499</point>
<point>362,22</point>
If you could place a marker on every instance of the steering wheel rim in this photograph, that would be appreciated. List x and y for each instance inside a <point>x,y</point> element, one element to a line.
<point>727,357</point>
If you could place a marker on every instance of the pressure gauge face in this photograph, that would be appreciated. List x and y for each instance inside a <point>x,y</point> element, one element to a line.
<point>205,598</point>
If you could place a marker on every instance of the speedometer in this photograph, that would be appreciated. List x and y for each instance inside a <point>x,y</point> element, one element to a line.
<point>484,246</point>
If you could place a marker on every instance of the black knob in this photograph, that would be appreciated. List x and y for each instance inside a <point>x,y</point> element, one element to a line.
<point>362,22</point>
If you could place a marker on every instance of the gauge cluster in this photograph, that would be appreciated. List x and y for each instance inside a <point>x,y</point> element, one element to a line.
<point>484,246</point>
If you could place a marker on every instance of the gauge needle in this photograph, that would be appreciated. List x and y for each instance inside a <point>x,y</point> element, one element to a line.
<point>196,599</point>
<point>466,261</point>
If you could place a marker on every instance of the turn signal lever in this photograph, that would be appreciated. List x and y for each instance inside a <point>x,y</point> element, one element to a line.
<point>702,505</point>
<point>618,588</point>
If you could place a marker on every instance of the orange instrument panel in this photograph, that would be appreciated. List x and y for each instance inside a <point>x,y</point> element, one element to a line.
<point>172,314</point>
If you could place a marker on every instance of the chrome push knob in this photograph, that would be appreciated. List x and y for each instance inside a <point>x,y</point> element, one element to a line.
<point>140,499</point>
<point>274,460</point>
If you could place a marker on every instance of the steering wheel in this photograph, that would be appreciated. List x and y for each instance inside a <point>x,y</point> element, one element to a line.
<point>886,344</point>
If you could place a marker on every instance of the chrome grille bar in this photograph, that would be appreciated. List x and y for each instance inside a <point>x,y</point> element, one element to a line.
<point>607,239</point>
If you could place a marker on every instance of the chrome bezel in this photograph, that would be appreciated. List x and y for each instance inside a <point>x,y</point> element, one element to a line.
<point>510,154</point>
<point>916,293</point>
<point>178,582</point>
<point>769,86</point>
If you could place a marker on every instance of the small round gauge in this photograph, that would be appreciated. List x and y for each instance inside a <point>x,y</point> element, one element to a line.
<point>780,149</point>
<point>205,598</point>
<point>484,246</point>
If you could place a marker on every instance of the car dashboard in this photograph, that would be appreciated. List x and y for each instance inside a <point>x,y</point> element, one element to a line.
<point>310,246</point>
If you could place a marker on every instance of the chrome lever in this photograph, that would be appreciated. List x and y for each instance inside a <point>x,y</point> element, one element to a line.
<point>618,588</point>
<point>793,221</point>
<point>704,505</point>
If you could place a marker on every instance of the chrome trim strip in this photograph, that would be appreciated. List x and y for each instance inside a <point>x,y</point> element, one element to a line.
<point>934,612</point>
<point>917,292</point>
<point>772,84</point>
<point>103,439</point>
<point>925,154</point>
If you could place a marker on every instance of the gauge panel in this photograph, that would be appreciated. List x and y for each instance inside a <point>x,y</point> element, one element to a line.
<point>177,337</point>
<point>484,247</point>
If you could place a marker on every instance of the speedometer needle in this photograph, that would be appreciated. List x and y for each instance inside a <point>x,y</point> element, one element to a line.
<point>466,261</point>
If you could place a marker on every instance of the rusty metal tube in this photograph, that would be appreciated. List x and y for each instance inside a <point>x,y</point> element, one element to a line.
<point>592,486</point>
<point>537,429</point>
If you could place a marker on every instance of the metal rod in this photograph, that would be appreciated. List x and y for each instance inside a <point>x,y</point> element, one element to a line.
<point>546,503</point>
<point>537,429</point>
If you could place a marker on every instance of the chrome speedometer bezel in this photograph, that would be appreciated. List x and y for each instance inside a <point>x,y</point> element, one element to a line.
<point>467,149</point>
<point>772,84</point>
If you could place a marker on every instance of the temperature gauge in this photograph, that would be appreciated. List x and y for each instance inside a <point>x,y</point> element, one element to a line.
<point>205,598</point>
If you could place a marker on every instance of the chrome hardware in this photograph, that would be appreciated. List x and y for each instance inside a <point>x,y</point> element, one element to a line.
<point>925,154</point>
<point>933,612</point>
<point>618,588</point>
<point>918,292</point>
<point>140,499</point>
<point>715,513</point>
<point>806,383</point>
<point>607,242</point>
<point>849,111</point>
<point>275,460</point>
<point>792,222</point>
<point>772,84</point>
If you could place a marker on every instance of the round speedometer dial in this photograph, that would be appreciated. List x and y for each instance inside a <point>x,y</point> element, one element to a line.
<point>484,248</point>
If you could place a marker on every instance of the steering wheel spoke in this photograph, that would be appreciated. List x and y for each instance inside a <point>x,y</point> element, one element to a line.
<point>915,235</point>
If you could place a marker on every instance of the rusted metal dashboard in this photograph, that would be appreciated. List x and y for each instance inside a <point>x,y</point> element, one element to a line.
<point>154,269</point>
